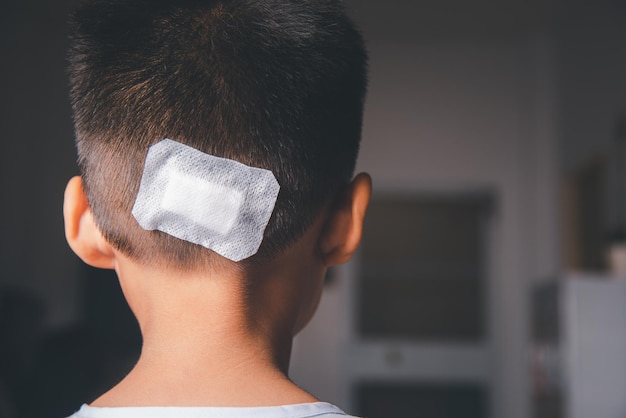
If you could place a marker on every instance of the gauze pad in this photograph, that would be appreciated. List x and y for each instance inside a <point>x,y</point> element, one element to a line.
<point>215,202</point>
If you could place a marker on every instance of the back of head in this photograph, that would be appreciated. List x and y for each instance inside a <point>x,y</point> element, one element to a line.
<point>274,84</point>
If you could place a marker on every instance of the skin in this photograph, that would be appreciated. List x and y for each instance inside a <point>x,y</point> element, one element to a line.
<point>223,337</point>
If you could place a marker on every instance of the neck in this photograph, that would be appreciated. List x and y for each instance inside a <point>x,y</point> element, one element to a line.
<point>206,343</point>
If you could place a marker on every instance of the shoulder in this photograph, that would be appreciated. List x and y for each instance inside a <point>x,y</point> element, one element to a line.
<point>307,410</point>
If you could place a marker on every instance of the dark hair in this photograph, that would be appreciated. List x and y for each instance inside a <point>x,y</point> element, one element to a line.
<point>275,84</point>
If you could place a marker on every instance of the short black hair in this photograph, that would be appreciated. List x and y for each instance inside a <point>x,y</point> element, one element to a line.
<point>275,84</point>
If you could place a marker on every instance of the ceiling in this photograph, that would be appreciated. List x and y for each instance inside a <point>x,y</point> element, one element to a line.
<point>399,20</point>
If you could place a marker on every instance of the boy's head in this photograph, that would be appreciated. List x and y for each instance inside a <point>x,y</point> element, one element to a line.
<point>274,84</point>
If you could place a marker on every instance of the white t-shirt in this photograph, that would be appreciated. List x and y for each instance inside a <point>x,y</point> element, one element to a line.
<point>305,410</point>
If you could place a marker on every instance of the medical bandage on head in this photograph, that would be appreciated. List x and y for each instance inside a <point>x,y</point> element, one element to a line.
<point>215,202</point>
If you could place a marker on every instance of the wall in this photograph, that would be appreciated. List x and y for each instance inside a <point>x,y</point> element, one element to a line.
<point>453,115</point>
<point>36,156</point>
<point>591,61</point>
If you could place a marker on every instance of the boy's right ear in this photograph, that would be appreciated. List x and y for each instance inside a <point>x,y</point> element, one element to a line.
<point>342,232</point>
<point>81,231</point>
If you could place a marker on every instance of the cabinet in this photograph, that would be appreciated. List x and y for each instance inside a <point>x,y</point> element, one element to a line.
<point>578,358</point>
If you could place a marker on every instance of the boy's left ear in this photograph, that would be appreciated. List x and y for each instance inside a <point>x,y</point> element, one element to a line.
<point>343,229</point>
<point>81,231</point>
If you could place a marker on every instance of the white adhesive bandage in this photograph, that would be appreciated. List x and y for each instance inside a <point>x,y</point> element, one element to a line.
<point>215,202</point>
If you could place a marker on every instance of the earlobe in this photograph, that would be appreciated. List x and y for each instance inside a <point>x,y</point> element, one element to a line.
<point>342,232</point>
<point>81,232</point>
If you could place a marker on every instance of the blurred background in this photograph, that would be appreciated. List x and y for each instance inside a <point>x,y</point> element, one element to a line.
<point>491,279</point>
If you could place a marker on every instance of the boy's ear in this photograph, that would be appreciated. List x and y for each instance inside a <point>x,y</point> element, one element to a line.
<point>342,231</point>
<point>81,232</point>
